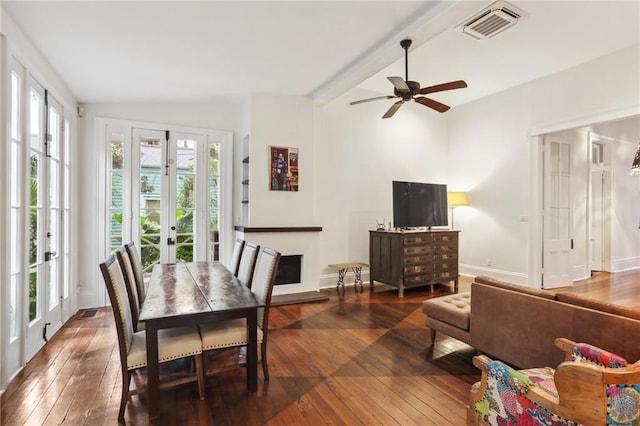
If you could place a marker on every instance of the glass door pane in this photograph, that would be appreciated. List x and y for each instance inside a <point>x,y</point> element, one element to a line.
<point>151,148</point>
<point>36,160</point>
<point>116,211</point>
<point>214,200</point>
<point>185,206</point>
<point>52,255</point>
<point>34,299</point>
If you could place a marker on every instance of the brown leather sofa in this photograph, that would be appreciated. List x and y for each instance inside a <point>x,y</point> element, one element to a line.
<point>519,325</point>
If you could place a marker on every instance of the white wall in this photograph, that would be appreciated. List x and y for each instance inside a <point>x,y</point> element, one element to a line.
<point>489,159</point>
<point>287,121</point>
<point>482,147</point>
<point>216,116</point>
<point>358,155</point>
<point>626,204</point>
<point>488,140</point>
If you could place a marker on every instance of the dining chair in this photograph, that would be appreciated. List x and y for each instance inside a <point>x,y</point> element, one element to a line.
<point>132,292</point>
<point>136,266</point>
<point>235,256</point>
<point>173,343</point>
<point>248,263</point>
<point>233,333</point>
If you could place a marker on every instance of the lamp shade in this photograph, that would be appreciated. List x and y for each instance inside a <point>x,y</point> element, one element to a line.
<point>455,199</point>
<point>635,167</point>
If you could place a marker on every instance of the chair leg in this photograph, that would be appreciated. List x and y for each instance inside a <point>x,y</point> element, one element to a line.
<point>200,372</point>
<point>433,336</point>
<point>126,382</point>
<point>265,369</point>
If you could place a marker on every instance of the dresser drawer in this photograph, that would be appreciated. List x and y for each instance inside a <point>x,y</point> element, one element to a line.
<point>445,237</point>
<point>417,260</point>
<point>451,256</point>
<point>444,248</point>
<point>443,265</point>
<point>417,250</point>
<point>418,269</point>
<point>445,275</point>
<point>418,280</point>
<point>416,240</point>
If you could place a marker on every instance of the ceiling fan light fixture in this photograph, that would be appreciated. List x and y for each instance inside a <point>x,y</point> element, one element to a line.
<point>408,90</point>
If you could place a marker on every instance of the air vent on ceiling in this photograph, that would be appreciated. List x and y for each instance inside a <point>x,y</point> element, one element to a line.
<point>491,20</point>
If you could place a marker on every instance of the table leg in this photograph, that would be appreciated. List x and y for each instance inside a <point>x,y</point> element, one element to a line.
<point>252,351</point>
<point>357,271</point>
<point>153,373</point>
<point>341,274</point>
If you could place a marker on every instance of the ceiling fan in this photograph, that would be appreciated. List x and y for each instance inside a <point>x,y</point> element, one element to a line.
<point>408,90</point>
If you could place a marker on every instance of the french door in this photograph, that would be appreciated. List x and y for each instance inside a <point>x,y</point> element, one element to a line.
<point>39,295</point>
<point>165,194</point>
<point>48,279</point>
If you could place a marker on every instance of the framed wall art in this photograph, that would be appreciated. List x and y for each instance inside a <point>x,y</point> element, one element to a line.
<point>283,167</point>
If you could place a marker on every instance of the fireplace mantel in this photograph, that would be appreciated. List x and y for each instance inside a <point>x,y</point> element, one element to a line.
<point>248,229</point>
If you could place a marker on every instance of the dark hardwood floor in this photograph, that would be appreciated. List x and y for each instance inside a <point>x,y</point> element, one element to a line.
<point>363,359</point>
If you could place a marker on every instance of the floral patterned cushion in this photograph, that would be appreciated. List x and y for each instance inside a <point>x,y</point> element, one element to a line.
<point>623,403</point>
<point>504,403</point>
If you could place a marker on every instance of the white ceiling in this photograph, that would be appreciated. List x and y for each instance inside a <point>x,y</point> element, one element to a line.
<point>161,51</point>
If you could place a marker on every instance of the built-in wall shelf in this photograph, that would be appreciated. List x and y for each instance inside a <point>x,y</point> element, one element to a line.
<point>244,219</point>
<point>247,229</point>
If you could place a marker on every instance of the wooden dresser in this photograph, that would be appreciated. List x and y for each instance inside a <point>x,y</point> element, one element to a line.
<point>405,259</point>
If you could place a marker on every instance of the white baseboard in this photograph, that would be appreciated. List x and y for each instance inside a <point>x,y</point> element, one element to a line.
<point>627,264</point>
<point>331,280</point>
<point>512,277</point>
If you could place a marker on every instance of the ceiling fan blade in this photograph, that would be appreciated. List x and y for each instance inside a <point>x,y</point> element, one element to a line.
<point>399,84</point>
<point>372,99</point>
<point>393,109</point>
<point>458,84</point>
<point>433,104</point>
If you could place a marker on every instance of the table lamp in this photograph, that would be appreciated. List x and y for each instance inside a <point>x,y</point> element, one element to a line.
<point>456,199</point>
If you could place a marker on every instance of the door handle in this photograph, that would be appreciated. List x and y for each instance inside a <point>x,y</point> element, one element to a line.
<point>171,241</point>
<point>48,255</point>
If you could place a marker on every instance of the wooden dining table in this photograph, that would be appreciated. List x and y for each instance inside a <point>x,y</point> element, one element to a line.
<point>194,293</point>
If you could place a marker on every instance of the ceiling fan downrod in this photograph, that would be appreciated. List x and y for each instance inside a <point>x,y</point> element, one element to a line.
<point>405,44</point>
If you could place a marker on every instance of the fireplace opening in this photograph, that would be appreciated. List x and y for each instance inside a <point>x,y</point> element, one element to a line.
<point>289,270</point>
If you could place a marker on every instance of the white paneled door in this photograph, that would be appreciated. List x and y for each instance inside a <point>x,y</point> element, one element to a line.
<point>557,214</point>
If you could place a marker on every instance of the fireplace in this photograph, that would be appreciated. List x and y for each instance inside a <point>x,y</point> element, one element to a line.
<point>289,270</point>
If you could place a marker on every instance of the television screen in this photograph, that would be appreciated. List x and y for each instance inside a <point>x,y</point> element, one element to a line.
<point>417,205</point>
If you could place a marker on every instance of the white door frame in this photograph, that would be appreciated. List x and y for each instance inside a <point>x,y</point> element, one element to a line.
<point>224,138</point>
<point>534,269</point>
<point>604,170</point>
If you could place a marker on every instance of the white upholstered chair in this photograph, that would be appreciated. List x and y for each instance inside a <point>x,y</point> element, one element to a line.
<point>136,266</point>
<point>235,256</point>
<point>248,263</point>
<point>173,343</point>
<point>132,292</point>
<point>233,333</point>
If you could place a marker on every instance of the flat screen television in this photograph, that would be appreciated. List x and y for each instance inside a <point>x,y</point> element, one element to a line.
<point>418,205</point>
